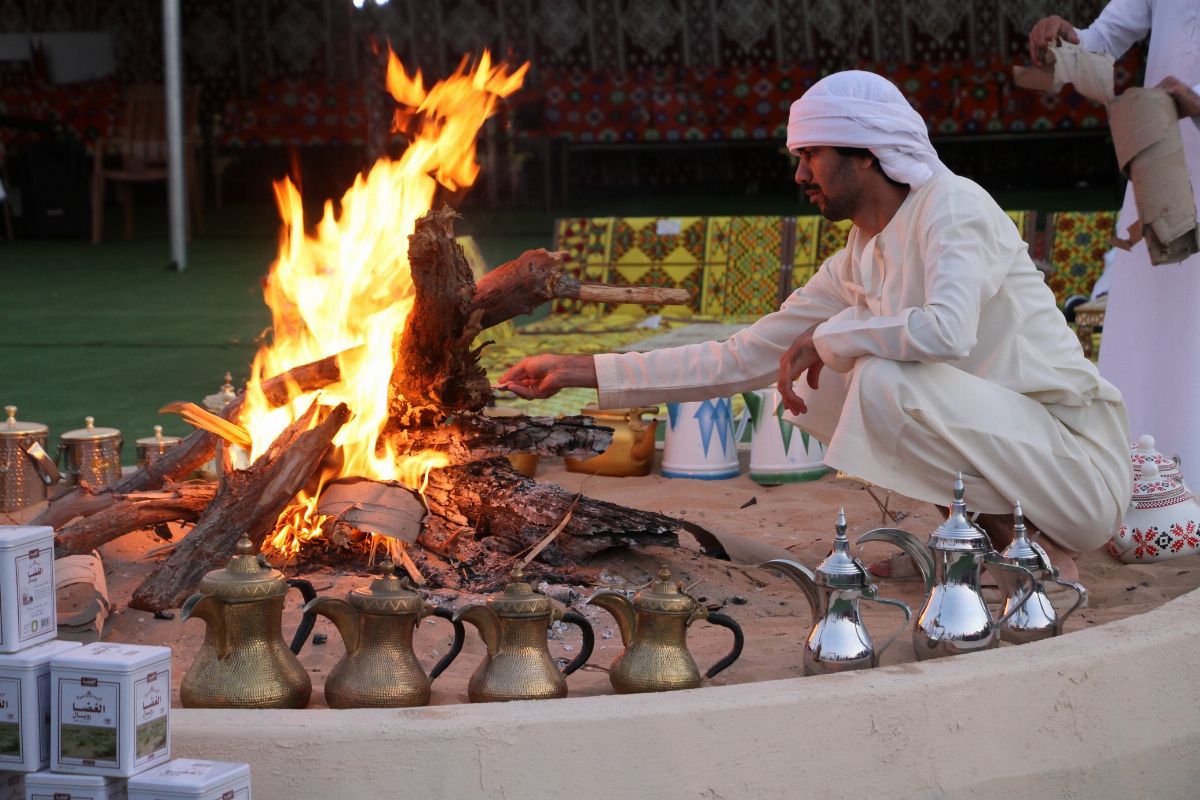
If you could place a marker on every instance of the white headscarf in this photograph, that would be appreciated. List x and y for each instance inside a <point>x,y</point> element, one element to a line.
<point>862,109</point>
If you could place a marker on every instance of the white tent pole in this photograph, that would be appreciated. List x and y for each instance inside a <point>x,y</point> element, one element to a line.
<point>176,187</point>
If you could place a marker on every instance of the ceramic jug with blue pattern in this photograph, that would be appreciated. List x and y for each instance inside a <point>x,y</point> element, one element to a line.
<point>701,440</point>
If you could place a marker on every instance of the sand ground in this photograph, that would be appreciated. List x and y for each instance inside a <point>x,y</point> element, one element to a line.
<point>772,611</point>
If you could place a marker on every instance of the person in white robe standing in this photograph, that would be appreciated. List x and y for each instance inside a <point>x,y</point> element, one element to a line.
<point>1160,384</point>
<point>930,344</point>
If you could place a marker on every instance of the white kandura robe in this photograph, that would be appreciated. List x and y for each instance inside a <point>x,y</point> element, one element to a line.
<point>1151,344</point>
<point>944,351</point>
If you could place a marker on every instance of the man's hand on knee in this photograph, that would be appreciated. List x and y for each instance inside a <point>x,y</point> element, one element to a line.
<point>1187,102</point>
<point>800,357</point>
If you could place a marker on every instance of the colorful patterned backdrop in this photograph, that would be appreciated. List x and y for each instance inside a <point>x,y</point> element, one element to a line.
<point>309,71</point>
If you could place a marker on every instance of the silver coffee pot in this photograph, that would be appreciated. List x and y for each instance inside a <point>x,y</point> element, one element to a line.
<point>1036,617</point>
<point>955,618</point>
<point>838,640</point>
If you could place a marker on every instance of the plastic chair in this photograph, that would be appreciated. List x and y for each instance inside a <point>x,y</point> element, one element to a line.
<point>139,154</point>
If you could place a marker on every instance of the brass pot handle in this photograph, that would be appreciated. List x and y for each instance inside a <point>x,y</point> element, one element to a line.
<point>42,462</point>
<point>738,640</point>
<point>310,617</point>
<point>589,640</point>
<point>455,646</point>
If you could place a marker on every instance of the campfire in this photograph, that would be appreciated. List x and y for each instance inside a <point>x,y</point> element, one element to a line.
<point>360,426</point>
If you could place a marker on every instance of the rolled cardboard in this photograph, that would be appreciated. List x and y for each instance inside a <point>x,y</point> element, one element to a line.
<point>1145,129</point>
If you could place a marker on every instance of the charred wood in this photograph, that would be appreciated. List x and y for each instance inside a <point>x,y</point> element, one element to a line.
<point>248,503</point>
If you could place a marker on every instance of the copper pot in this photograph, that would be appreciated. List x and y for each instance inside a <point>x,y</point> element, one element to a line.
<point>632,450</point>
<point>518,665</point>
<point>25,468</point>
<point>380,669</point>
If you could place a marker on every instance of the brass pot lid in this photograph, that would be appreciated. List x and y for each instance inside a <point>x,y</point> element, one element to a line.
<point>227,394</point>
<point>386,594</point>
<point>90,433</point>
<point>158,439</point>
<point>619,414</point>
<point>519,599</point>
<point>244,578</point>
<point>502,412</point>
<point>11,427</point>
<point>957,532</point>
<point>664,596</point>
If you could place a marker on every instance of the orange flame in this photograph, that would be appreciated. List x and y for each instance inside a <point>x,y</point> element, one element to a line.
<point>347,286</point>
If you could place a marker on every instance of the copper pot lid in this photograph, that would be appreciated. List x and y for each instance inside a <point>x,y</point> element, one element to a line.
<point>386,594</point>
<point>664,596</point>
<point>519,599</point>
<point>227,394</point>
<point>158,439</point>
<point>621,414</point>
<point>11,427</point>
<point>244,578</point>
<point>90,433</point>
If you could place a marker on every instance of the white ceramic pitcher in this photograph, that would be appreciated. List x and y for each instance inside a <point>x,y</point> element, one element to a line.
<point>779,451</point>
<point>701,440</point>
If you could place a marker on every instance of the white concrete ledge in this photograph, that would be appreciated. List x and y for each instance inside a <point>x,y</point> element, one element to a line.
<point>1109,712</point>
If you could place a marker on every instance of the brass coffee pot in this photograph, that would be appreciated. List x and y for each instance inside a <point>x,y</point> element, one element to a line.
<point>513,625</point>
<point>1035,618</point>
<point>654,628</point>
<point>244,662</point>
<point>838,641</point>
<point>377,621</point>
<point>955,617</point>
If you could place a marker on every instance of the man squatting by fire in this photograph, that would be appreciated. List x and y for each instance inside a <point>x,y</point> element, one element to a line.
<point>930,343</point>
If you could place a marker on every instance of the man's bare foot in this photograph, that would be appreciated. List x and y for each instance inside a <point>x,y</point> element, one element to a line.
<point>1062,560</point>
<point>897,567</point>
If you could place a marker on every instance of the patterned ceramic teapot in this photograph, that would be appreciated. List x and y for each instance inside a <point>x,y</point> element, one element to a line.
<point>1163,520</point>
<point>1142,451</point>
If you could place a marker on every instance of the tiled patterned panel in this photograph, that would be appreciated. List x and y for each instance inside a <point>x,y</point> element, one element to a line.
<point>831,237</point>
<point>658,240</point>
<point>804,251</point>
<point>586,242</point>
<point>1081,238</point>
<point>749,278</point>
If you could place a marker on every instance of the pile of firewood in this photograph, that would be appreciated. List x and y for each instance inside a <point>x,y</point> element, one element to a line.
<point>481,512</point>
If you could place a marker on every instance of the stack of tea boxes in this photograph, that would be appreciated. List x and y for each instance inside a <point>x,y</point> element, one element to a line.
<point>85,722</point>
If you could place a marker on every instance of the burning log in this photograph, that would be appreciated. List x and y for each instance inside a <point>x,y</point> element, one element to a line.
<point>178,502</point>
<point>186,457</point>
<point>248,503</point>
<point>471,437</point>
<point>501,510</point>
<point>537,276</point>
<point>436,368</point>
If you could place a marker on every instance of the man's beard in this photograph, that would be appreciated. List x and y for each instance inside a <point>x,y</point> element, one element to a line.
<point>837,209</point>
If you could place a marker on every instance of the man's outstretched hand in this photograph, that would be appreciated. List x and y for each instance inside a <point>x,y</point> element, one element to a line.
<point>541,376</point>
<point>1047,31</point>
<point>801,356</point>
<point>1187,102</point>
